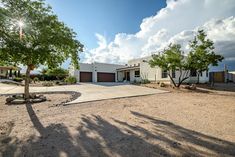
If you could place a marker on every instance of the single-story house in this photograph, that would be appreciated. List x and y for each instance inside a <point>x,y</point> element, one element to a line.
<point>139,69</point>
<point>136,70</point>
<point>96,72</point>
<point>9,72</point>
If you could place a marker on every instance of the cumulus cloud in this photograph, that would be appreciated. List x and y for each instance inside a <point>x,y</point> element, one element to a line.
<point>178,22</point>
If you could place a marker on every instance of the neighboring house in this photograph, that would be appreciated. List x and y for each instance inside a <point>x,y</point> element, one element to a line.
<point>135,71</point>
<point>96,72</point>
<point>9,72</point>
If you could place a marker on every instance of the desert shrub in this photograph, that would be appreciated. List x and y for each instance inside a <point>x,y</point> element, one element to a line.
<point>70,80</point>
<point>145,81</point>
<point>18,79</point>
<point>162,84</point>
<point>47,83</point>
<point>35,79</point>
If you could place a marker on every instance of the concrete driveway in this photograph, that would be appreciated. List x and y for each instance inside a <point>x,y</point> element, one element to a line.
<point>90,91</point>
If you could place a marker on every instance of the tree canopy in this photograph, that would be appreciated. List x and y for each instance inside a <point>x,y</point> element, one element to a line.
<point>202,54</point>
<point>199,58</point>
<point>171,59</point>
<point>32,35</point>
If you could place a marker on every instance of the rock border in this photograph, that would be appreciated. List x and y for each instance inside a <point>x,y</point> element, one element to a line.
<point>74,95</point>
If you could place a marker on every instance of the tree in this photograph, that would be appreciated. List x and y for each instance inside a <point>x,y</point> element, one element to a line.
<point>59,73</point>
<point>202,54</point>
<point>171,59</point>
<point>31,35</point>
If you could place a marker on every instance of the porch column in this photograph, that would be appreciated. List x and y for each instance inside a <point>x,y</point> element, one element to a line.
<point>10,74</point>
<point>18,73</point>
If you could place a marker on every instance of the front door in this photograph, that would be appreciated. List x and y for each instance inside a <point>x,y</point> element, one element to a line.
<point>127,75</point>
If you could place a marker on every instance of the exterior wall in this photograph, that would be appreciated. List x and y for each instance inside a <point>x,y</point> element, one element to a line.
<point>94,68</point>
<point>155,74</point>
<point>3,72</point>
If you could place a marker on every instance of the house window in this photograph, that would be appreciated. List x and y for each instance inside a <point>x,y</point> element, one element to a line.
<point>201,74</point>
<point>193,73</point>
<point>164,73</point>
<point>137,73</point>
<point>1,71</point>
<point>173,73</point>
<point>207,73</point>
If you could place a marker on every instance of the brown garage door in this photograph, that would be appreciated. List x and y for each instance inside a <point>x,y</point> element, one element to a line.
<point>105,77</point>
<point>85,76</point>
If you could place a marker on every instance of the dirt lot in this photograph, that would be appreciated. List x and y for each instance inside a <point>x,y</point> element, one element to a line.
<point>170,124</point>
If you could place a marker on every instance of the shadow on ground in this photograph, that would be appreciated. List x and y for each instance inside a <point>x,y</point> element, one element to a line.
<point>96,136</point>
<point>229,87</point>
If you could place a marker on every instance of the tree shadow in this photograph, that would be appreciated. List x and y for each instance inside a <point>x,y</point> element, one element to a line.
<point>97,137</point>
<point>197,143</point>
<point>101,138</point>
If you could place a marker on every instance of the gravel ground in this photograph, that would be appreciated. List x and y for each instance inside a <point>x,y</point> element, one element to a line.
<point>169,124</point>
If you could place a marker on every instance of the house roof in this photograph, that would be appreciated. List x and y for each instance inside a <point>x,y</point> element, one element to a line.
<point>129,68</point>
<point>10,67</point>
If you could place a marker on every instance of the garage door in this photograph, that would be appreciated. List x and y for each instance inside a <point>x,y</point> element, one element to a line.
<point>85,76</point>
<point>105,77</point>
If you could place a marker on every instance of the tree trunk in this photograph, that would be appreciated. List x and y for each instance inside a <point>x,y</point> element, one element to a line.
<point>172,80</point>
<point>26,86</point>
<point>198,77</point>
<point>182,81</point>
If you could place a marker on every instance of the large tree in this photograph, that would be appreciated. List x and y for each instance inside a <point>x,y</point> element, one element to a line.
<point>171,59</point>
<point>32,35</point>
<point>202,54</point>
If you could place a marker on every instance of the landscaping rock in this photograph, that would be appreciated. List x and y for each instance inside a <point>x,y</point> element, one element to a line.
<point>10,99</point>
<point>18,101</point>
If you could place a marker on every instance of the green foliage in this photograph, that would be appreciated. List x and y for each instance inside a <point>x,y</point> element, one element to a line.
<point>202,53</point>
<point>35,79</point>
<point>70,80</point>
<point>57,72</point>
<point>145,81</point>
<point>172,58</point>
<point>18,79</point>
<point>44,39</point>
<point>48,83</point>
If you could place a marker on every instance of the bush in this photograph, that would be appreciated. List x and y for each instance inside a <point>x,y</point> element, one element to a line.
<point>145,81</point>
<point>35,79</point>
<point>48,83</point>
<point>18,79</point>
<point>162,84</point>
<point>70,80</point>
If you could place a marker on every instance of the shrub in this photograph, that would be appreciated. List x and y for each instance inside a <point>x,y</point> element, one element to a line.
<point>35,79</point>
<point>162,84</point>
<point>145,81</point>
<point>47,83</point>
<point>70,80</point>
<point>18,79</point>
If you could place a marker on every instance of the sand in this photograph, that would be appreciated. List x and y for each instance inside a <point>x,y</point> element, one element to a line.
<point>169,124</point>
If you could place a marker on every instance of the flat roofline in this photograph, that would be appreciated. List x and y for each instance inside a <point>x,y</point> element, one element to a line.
<point>128,68</point>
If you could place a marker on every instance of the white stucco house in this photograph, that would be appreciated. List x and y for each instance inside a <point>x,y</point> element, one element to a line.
<point>136,70</point>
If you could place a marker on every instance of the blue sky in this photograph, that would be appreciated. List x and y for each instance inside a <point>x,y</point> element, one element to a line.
<point>115,31</point>
<point>106,17</point>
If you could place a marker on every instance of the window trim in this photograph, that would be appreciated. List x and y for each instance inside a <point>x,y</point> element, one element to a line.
<point>164,73</point>
<point>137,75</point>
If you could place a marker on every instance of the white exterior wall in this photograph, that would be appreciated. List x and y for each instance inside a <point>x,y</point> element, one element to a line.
<point>94,68</point>
<point>155,74</point>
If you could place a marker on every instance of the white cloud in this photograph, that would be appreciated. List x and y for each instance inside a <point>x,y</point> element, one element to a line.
<point>177,23</point>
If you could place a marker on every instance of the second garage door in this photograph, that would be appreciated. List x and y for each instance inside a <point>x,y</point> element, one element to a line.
<point>85,76</point>
<point>105,77</point>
